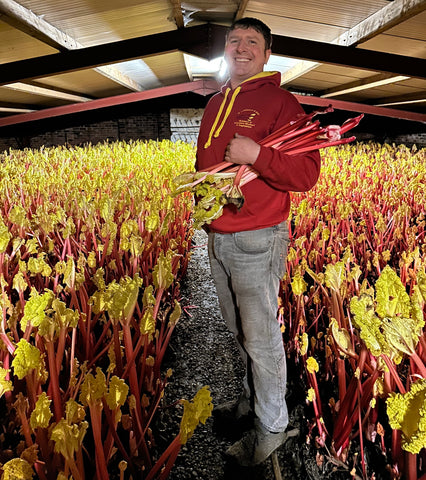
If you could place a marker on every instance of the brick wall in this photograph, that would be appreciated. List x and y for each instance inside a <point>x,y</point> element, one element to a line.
<point>173,118</point>
<point>147,126</point>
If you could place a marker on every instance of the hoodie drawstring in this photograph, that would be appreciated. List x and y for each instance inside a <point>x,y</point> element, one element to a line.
<point>228,111</point>
<point>219,113</point>
<point>216,133</point>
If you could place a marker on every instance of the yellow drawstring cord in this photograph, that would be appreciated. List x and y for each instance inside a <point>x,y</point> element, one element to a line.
<point>219,113</point>
<point>228,111</point>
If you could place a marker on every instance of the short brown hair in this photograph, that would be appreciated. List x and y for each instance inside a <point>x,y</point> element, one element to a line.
<point>258,25</point>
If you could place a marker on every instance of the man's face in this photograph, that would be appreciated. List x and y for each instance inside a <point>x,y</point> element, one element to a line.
<point>245,54</point>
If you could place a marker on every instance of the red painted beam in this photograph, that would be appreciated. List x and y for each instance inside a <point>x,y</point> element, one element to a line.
<point>362,108</point>
<point>202,87</point>
<point>199,86</point>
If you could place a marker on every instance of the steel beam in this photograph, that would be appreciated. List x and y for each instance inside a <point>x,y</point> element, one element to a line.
<point>199,86</point>
<point>206,41</point>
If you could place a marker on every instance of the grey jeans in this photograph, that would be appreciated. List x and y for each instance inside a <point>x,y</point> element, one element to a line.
<point>247,267</point>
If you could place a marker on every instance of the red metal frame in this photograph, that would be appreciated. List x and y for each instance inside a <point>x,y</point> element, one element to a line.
<point>202,87</point>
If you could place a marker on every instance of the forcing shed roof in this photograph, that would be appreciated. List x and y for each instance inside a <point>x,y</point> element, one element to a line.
<point>59,57</point>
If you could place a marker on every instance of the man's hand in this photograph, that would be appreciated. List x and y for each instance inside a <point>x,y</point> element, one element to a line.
<point>242,150</point>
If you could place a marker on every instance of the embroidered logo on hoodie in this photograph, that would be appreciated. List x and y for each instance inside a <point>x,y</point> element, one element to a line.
<point>246,117</point>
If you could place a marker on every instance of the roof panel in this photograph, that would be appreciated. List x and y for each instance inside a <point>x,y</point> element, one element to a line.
<point>392,44</point>
<point>97,22</point>
<point>16,45</point>
<point>85,82</point>
<point>170,67</point>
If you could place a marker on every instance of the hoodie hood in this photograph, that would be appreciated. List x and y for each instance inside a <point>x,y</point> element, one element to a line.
<point>229,96</point>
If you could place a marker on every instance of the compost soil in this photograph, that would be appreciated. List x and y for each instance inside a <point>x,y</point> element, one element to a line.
<point>202,352</point>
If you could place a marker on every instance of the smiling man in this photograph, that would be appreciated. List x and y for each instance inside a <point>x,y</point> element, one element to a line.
<point>248,246</point>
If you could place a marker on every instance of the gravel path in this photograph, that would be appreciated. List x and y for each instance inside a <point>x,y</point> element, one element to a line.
<point>203,352</point>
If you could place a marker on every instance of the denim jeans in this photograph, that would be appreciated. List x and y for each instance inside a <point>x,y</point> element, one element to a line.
<point>247,267</point>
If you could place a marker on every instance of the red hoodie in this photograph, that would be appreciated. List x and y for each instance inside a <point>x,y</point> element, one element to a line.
<point>256,108</point>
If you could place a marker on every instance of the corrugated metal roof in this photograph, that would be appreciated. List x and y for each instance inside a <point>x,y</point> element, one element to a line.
<point>38,28</point>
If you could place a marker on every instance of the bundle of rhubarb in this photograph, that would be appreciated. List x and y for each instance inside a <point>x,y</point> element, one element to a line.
<point>221,184</point>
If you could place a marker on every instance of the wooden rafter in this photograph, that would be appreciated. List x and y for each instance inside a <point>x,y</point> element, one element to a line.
<point>200,86</point>
<point>205,41</point>
<point>242,6</point>
<point>400,99</point>
<point>177,13</point>
<point>46,92</point>
<point>364,83</point>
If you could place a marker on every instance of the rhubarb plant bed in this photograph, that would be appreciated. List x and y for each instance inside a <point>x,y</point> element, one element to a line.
<point>99,343</point>
<point>92,248</point>
<point>353,313</point>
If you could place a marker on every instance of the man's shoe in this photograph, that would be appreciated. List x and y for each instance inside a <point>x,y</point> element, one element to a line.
<point>235,409</point>
<point>233,418</point>
<point>256,446</point>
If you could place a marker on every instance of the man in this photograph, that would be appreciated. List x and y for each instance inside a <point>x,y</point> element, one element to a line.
<point>248,246</point>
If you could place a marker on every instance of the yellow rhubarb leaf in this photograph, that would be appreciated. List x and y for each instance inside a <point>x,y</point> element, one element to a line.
<point>162,274</point>
<point>68,438</point>
<point>117,392</point>
<point>312,365</point>
<point>176,313</point>
<point>147,322</point>
<point>123,298</point>
<point>41,415</point>
<point>5,385</point>
<point>17,469</point>
<point>27,358</point>
<point>18,215</point>
<point>35,308</point>
<point>369,324</point>
<point>69,273</point>
<point>65,317</point>
<point>39,265</point>
<point>335,275</point>
<point>93,388</point>
<point>304,344</point>
<point>391,297</point>
<point>19,283</point>
<point>341,337</point>
<point>195,412</point>
<point>5,236</point>
<point>400,333</point>
<point>310,397</point>
<point>74,412</point>
<point>407,412</point>
<point>298,285</point>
